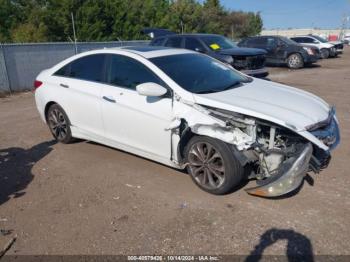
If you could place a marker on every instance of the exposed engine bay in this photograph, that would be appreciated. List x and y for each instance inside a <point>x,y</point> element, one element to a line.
<point>278,158</point>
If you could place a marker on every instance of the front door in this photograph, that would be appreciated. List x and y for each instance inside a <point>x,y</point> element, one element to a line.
<point>129,118</point>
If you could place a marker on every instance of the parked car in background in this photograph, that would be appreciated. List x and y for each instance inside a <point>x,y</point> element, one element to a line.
<point>250,61</point>
<point>188,110</point>
<point>326,48</point>
<point>282,50</point>
<point>346,39</point>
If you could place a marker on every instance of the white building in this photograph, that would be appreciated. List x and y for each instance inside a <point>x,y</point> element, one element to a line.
<point>304,31</point>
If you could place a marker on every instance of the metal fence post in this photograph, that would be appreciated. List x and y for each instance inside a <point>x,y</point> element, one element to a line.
<point>3,70</point>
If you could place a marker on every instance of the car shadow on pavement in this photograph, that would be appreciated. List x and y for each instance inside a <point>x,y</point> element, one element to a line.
<point>16,168</point>
<point>299,247</point>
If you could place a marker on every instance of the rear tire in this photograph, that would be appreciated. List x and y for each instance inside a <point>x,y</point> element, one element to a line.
<point>325,53</point>
<point>59,124</point>
<point>295,61</point>
<point>212,165</point>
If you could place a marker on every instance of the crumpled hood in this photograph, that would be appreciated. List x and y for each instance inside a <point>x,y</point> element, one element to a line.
<point>281,104</point>
<point>242,51</point>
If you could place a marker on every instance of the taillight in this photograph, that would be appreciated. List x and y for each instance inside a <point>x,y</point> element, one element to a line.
<point>37,84</point>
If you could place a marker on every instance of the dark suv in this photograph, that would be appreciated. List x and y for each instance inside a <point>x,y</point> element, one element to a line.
<point>250,61</point>
<point>282,50</point>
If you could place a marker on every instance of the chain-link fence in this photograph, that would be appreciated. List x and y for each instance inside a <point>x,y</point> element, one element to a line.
<point>21,63</point>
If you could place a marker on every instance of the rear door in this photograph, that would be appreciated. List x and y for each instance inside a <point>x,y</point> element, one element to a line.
<point>271,48</point>
<point>131,119</point>
<point>80,85</point>
<point>262,43</point>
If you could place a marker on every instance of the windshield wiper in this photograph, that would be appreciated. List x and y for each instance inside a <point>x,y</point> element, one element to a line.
<point>208,91</point>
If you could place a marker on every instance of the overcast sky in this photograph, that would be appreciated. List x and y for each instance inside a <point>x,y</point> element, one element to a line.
<point>295,13</point>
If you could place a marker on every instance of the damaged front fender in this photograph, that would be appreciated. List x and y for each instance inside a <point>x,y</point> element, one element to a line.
<point>202,122</point>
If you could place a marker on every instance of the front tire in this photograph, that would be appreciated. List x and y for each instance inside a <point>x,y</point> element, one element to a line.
<point>59,124</point>
<point>212,165</point>
<point>295,61</point>
<point>325,53</point>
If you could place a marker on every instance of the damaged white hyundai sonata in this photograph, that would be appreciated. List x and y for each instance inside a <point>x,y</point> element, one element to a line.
<point>188,110</point>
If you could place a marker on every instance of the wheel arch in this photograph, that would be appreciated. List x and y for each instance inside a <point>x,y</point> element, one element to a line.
<point>295,52</point>
<point>47,106</point>
<point>186,134</point>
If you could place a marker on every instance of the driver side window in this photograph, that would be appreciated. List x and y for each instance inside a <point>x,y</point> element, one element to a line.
<point>123,71</point>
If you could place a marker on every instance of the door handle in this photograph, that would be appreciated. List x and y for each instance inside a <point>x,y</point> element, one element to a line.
<point>109,99</point>
<point>65,86</point>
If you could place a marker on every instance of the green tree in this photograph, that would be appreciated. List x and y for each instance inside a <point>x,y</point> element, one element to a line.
<point>255,23</point>
<point>29,33</point>
<point>184,16</point>
<point>241,24</point>
<point>9,17</point>
<point>213,17</point>
<point>105,20</point>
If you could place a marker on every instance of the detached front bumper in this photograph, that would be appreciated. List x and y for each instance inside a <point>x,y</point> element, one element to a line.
<point>339,51</point>
<point>289,178</point>
<point>310,59</point>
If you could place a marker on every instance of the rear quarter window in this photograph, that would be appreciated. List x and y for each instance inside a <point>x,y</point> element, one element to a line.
<point>64,71</point>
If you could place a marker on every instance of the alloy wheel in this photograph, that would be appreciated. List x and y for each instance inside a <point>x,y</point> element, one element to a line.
<point>58,124</point>
<point>206,165</point>
<point>294,61</point>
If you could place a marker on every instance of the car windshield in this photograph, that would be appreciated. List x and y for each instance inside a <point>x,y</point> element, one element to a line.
<point>199,73</point>
<point>321,39</point>
<point>216,42</point>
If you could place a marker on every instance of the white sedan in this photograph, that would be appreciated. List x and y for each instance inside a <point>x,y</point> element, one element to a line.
<point>188,110</point>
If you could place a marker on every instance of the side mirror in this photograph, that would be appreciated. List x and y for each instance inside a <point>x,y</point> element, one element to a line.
<point>151,89</point>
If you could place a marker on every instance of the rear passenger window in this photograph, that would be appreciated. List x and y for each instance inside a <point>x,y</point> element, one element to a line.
<point>126,72</point>
<point>271,42</point>
<point>86,68</point>
<point>308,40</point>
<point>260,41</point>
<point>174,42</point>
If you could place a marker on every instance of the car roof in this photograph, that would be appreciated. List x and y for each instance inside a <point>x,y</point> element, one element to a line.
<point>267,36</point>
<point>153,51</point>
<point>194,34</point>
